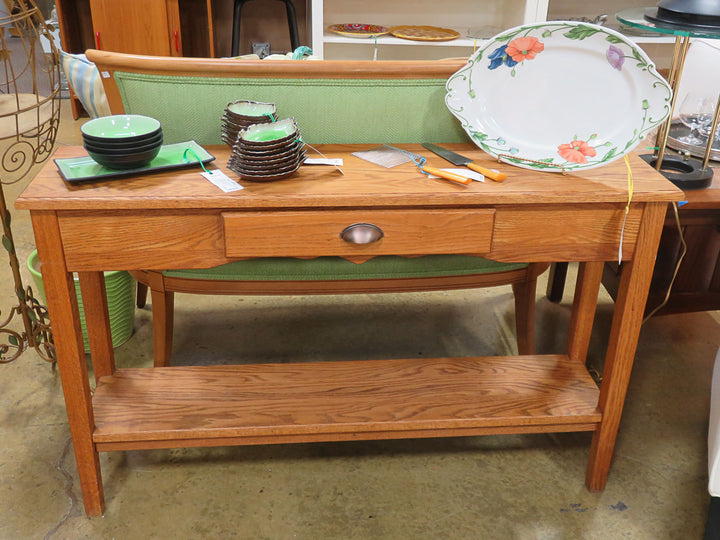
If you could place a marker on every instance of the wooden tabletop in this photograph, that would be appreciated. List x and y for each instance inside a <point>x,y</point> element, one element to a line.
<point>363,184</point>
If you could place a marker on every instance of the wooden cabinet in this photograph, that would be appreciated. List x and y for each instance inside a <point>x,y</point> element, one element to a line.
<point>137,26</point>
<point>154,27</point>
<point>157,27</point>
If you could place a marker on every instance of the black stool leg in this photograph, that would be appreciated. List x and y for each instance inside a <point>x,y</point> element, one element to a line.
<point>556,281</point>
<point>236,27</point>
<point>292,24</point>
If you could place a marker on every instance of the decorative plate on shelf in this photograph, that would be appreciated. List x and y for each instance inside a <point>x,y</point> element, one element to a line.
<point>558,96</point>
<point>424,33</point>
<point>358,30</point>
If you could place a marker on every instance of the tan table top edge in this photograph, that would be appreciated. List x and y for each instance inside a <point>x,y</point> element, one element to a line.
<point>362,184</point>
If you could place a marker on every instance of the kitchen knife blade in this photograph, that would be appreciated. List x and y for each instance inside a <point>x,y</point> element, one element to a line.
<point>457,159</point>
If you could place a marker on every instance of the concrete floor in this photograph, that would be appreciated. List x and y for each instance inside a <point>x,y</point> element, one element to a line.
<point>494,487</point>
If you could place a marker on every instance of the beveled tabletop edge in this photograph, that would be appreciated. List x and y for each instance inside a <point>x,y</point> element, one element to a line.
<point>363,185</point>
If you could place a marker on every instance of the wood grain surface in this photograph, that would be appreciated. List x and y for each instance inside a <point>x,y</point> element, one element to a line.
<point>318,399</point>
<point>363,184</point>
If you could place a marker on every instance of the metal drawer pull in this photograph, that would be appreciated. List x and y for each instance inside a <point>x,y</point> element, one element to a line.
<point>362,233</point>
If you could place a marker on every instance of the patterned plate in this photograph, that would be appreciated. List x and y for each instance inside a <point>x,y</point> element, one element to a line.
<point>358,30</point>
<point>558,96</point>
<point>424,33</point>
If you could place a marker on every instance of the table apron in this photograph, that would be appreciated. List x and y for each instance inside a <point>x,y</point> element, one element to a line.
<point>175,239</point>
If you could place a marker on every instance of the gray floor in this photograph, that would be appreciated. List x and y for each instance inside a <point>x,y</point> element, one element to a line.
<point>523,487</point>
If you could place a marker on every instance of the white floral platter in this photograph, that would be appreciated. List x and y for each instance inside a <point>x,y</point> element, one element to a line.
<point>558,96</point>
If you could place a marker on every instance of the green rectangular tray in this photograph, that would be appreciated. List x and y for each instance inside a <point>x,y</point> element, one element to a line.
<point>171,156</point>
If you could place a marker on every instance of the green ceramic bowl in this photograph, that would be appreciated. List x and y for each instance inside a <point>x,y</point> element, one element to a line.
<point>250,109</point>
<point>130,149</point>
<point>125,161</point>
<point>125,127</point>
<point>120,144</point>
<point>272,133</point>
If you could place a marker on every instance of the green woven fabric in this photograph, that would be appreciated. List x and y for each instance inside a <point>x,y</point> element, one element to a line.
<point>326,110</point>
<point>335,268</point>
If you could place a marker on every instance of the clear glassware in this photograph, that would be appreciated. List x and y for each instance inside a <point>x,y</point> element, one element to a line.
<point>696,112</point>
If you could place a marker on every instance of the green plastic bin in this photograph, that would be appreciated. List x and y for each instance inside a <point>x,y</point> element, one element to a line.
<point>120,289</point>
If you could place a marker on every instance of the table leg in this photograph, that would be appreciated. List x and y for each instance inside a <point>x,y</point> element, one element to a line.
<point>584,307</point>
<point>65,320</point>
<point>97,322</point>
<point>627,319</point>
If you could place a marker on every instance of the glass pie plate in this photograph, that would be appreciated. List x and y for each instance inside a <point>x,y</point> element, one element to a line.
<point>558,96</point>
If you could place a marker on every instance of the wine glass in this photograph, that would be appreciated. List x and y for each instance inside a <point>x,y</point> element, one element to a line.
<point>696,112</point>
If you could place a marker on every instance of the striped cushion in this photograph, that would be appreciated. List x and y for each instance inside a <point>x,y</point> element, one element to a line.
<point>84,79</point>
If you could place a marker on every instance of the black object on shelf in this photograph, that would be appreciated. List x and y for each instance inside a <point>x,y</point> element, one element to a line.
<point>700,14</point>
<point>685,173</point>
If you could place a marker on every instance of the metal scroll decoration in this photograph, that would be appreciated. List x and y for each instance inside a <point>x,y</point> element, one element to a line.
<point>29,119</point>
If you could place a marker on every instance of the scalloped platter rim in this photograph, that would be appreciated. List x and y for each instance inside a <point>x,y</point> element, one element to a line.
<point>558,96</point>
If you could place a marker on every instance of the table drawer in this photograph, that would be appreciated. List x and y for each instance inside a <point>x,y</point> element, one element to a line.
<point>319,233</point>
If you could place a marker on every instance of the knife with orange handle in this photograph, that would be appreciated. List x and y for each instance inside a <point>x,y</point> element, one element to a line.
<point>457,159</point>
<point>447,175</point>
<point>420,162</point>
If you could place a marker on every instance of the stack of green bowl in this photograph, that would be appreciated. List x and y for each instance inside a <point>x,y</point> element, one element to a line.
<point>120,290</point>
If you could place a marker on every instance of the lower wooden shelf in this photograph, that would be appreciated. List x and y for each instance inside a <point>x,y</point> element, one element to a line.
<point>331,401</point>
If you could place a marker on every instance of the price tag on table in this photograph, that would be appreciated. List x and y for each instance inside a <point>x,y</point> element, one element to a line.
<point>221,180</point>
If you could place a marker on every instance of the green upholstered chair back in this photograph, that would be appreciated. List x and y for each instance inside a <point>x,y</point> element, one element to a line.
<point>327,111</point>
<point>330,105</point>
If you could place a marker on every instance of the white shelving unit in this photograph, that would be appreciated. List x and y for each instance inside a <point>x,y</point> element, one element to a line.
<point>481,18</point>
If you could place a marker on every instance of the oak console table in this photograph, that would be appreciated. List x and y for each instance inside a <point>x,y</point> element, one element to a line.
<point>177,219</point>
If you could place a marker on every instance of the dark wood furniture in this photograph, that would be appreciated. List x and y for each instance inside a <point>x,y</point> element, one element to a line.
<point>176,219</point>
<point>157,27</point>
<point>697,284</point>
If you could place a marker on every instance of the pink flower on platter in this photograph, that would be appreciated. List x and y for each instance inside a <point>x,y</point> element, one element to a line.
<point>616,57</point>
<point>524,48</point>
<point>576,151</point>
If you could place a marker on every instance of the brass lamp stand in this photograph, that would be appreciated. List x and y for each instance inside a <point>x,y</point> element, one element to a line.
<point>29,119</point>
<point>681,171</point>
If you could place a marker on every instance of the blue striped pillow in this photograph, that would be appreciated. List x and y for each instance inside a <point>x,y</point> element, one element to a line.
<point>84,79</point>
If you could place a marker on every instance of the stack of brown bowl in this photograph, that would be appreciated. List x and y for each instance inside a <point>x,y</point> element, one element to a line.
<point>265,152</point>
<point>241,114</point>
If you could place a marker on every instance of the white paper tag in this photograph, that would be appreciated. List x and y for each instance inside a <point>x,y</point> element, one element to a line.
<point>221,180</point>
<point>337,162</point>
<point>467,173</point>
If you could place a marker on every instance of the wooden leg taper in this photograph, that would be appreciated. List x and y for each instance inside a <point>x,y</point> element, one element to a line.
<point>584,307</point>
<point>525,315</point>
<point>163,307</point>
<point>97,322</point>
<point>65,320</point>
<point>629,309</point>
